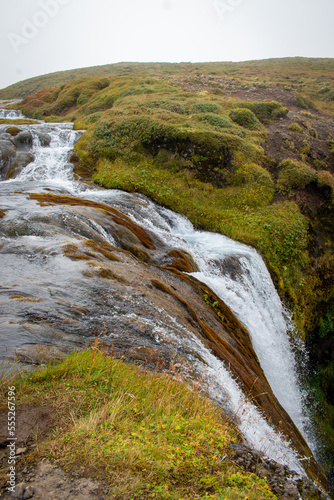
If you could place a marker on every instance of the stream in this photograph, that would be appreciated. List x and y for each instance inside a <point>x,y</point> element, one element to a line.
<point>51,299</point>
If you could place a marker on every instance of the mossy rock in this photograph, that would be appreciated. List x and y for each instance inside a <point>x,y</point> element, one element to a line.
<point>183,261</point>
<point>245,118</point>
<point>13,131</point>
<point>130,242</point>
<point>266,111</point>
<point>23,139</point>
<point>294,175</point>
<point>254,175</point>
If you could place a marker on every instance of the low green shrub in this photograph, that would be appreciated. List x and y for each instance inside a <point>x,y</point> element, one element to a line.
<point>265,111</point>
<point>245,118</point>
<point>304,102</point>
<point>294,175</point>
<point>215,120</point>
<point>205,107</point>
<point>295,127</point>
<point>94,117</point>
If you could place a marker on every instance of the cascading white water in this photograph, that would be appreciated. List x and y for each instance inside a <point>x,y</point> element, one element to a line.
<point>11,114</point>
<point>51,163</point>
<point>250,292</point>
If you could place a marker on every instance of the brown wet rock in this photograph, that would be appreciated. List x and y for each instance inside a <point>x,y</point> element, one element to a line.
<point>182,261</point>
<point>39,354</point>
<point>13,131</point>
<point>118,217</point>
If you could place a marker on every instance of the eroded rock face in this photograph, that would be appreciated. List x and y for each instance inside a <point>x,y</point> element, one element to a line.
<point>75,269</point>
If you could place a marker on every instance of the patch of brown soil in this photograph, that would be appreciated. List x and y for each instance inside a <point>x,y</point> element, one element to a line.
<point>32,423</point>
<point>46,481</point>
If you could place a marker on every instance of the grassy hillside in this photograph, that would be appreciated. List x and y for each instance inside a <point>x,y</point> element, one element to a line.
<point>313,78</point>
<point>146,435</point>
<point>244,149</point>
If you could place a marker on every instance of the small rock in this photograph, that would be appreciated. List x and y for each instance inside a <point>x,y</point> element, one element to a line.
<point>23,492</point>
<point>261,471</point>
<point>19,451</point>
<point>291,491</point>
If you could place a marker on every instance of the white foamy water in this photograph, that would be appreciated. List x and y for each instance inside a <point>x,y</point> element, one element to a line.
<point>248,291</point>
<point>11,114</point>
<point>51,163</point>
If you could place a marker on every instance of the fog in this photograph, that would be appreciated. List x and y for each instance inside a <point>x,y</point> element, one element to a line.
<point>43,36</point>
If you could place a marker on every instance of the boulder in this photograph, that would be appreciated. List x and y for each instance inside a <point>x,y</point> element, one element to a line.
<point>44,139</point>
<point>23,140</point>
<point>13,131</point>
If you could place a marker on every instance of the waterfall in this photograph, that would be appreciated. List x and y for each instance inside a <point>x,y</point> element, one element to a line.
<point>248,290</point>
<point>51,164</point>
<point>10,114</point>
<point>235,272</point>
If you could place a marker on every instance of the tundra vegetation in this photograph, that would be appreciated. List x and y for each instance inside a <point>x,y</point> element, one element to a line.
<point>244,149</point>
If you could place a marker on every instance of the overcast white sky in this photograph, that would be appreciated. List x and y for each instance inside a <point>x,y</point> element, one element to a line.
<point>43,36</point>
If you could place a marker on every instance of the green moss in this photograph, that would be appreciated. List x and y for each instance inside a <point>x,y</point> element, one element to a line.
<point>304,102</point>
<point>305,149</point>
<point>295,127</point>
<point>294,175</point>
<point>19,121</point>
<point>217,121</point>
<point>254,175</point>
<point>266,111</point>
<point>205,107</point>
<point>245,118</point>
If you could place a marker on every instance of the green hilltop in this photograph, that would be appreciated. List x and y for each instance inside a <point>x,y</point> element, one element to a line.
<point>312,75</point>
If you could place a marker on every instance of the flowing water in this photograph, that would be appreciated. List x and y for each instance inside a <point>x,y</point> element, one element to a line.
<point>11,114</point>
<point>40,284</point>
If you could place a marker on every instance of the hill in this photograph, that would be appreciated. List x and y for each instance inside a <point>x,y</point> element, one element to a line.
<point>312,76</point>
